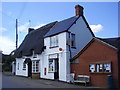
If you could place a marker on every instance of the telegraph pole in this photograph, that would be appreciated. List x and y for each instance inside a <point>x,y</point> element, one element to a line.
<point>16,33</point>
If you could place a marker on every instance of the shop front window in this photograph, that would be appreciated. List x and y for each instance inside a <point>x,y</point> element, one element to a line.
<point>51,65</point>
<point>53,59</point>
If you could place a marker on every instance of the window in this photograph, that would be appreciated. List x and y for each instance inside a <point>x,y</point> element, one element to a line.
<point>75,61</point>
<point>24,66</point>
<point>99,67</point>
<point>18,66</point>
<point>103,67</point>
<point>73,40</point>
<point>51,65</point>
<point>35,66</point>
<point>92,67</point>
<point>53,41</point>
<point>107,67</point>
<point>53,62</point>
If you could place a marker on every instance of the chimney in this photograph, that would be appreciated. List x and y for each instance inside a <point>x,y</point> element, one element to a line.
<point>30,29</point>
<point>79,10</point>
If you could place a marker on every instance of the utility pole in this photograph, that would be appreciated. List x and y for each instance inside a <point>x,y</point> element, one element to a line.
<point>16,33</point>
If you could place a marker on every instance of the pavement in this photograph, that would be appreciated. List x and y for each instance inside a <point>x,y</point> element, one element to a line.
<point>11,81</point>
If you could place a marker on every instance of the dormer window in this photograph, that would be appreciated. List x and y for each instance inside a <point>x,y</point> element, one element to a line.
<point>53,41</point>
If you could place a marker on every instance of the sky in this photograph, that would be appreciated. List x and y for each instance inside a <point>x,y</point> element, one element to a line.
<point>101,16</point>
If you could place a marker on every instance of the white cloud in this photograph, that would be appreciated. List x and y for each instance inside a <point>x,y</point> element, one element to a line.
<point>96,28</point>
<point>38,26</point>
<point>6,45</point>
<point>3,29</point>
<point>24,27</point>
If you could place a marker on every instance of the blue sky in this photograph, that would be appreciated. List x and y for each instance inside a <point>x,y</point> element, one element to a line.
<point>101,16</point>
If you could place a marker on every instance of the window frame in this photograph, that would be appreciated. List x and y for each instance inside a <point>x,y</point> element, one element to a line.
<point>53,66</point>
<point>35,68</point>
<point>103,63</point>
<point>73,40</point>
<point>52,57</point>
<point>24,66</point>
<point>55,40</point>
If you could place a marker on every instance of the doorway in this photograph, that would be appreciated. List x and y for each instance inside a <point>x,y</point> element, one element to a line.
<point>29,63</point>
<point>56,73</point>
<point>30,69</point>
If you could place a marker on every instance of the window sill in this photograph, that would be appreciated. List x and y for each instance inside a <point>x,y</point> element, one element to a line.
<point>53,47</point>
<point>73,47</point>
<point>50,71</point>
<point>100,72</point>
<point>35,72</point>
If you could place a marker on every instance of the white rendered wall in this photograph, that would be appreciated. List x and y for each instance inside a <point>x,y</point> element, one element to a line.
<point>61,54</point>
<point>21,72</point>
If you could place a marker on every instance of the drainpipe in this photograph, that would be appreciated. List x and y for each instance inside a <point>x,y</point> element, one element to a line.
<point>69,46</point>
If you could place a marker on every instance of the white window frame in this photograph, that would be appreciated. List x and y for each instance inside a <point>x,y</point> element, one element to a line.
<point>54,41</point>
<point>52,57</point>
<point>24,66</point>
<point>35,69</point>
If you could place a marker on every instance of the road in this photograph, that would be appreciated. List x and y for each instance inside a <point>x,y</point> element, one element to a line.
<point>10,81</point>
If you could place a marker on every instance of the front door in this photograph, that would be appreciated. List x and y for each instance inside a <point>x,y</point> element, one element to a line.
<point>30,69</point>
<point>56,73</point>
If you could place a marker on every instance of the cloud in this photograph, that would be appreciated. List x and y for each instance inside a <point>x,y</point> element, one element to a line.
<point>96,28</point>
<point>3,29</point>
<point>38,26</point>
<point>6,44</point>
<point>24,27</point>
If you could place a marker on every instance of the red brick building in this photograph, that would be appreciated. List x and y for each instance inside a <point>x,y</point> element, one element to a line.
<point>100,58</point>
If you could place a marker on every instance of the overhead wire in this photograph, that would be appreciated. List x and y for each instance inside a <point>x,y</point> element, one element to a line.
<point>19,16</point>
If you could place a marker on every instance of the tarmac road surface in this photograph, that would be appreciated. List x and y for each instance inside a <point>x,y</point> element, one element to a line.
<point>10,81</point>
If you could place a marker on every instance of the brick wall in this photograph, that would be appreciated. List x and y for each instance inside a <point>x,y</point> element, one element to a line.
<point>97,52</point>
